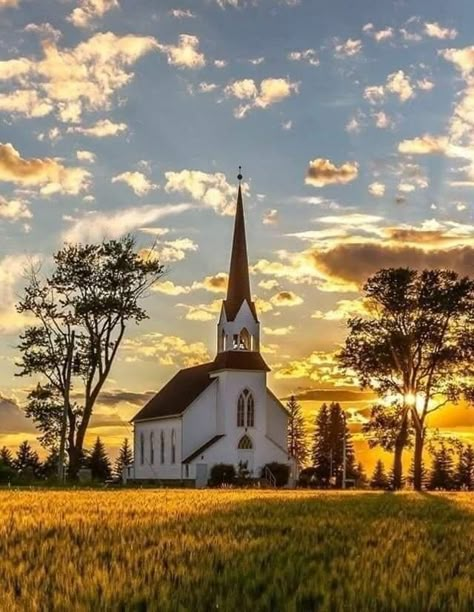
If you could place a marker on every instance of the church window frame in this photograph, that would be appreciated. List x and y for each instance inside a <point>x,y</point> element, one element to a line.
<point>173,446</point>
<point>245,443</point>
<point>162,447</point>
<point>142,448</point>
<point>246,409</point>
<point>250,410</point>
<point>241,410</point>
<point>152,447</point>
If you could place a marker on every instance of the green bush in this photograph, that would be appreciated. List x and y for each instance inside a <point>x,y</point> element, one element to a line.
<point>281,471</point>
<point>222,473</point>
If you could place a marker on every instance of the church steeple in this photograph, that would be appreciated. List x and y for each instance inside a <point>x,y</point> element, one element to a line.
<point>238,292</point>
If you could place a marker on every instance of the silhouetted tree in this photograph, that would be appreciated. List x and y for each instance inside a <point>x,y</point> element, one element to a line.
<point>99,463</point>
<point>7,471</point>
<point>425,475</point>
<point>26,462</point>
<point>321,449</point>
<point>297,444</point>
<point>416,344</point>
<point>379,478</point>
<point>361,476</point>
<point>49,467</point>
<point>46,407</point>
<point>464,476</point>
<point>442,468</point>
<point>6,457</point>
<point>124,459</point>
<point>82,311</point>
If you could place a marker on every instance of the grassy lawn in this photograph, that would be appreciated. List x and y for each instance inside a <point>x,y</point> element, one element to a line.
<point>235,550</point>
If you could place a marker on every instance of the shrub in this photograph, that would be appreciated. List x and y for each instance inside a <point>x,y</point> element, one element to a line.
<point>308,478</point>
<point>281,471</point>
<point>222,473</point>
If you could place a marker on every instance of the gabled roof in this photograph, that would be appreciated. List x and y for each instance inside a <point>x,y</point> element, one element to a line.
<point>202,448</point>
<point>188,384</point>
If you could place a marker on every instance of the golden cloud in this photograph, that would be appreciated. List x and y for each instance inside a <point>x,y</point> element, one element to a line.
<point>13,210</point>
<point>269,92</point>
<point>185,54</point>
<point>101,129</point>
<point>322,172</point>
<point>434,30</point>
<point>88,10</point>
<point>286,298</point>
<point>423,145</point>
<point>167,350</point>
<point>48,174</point>
<point>137,181</point>
<point>201,312</point>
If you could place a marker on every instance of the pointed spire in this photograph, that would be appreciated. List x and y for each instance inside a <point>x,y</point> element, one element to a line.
<point>238,288</point>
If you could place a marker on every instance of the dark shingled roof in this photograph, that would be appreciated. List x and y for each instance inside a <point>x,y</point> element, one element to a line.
<point>202,448</point>
<point>238,288</point>
<point>188,384</point>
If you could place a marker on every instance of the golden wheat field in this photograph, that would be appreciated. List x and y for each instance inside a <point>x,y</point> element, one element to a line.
<point>231,550</point>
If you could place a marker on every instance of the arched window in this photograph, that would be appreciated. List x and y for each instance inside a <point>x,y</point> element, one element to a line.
<point>250,411</point>
<point>142,448</point>
<point>245,340</point>
<point>152,447</point>
<point>241,411</point>
<point>162,446</point>
<point>245,443</point>
<point>173,446</point>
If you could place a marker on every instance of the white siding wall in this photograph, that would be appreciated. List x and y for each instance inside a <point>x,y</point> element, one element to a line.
<point>277,422</point>
<point>158,470</point>
<point>200,420</point>
<point>243,319</point>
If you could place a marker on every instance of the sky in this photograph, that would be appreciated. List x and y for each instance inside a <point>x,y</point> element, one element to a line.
<point>354,126</point>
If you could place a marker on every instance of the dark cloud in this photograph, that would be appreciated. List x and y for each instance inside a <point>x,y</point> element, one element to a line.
<point>13,419</point>
<point>99,420</point>
<point>322,172</point>
<point>117,396</point>
<point>356,262</point>
<point>332,395</point>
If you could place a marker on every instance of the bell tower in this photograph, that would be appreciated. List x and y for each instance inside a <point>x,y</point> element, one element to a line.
<point>238,328</point>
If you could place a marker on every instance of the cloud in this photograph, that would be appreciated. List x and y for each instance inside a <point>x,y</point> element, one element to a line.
<point>185,54</point>
<point>212,190</point>
<point>286,298</point>
<point>270,217</point>
<point>399,83</point>
<point>84,77</point>
<point>279,331</point>
<point>382,120</point>
<point>13,417</point>
<point>48,174</point>
<point>322,172</point>
<point>374,93</point>
<point>207,87</point>
<point>12,270</point>
<point>216,283</point>
<point>166,350</point>
<point>269,92</point>
<point>25,102</point>
<point>8,3</point>
<point>86,156</point>
<point>348,48</point>
<point>84,15</point>
<point>181,14</point>
<point>101,129</point>
<point>343,310</point>
<point>353,126</point>
<point>377,189</point>
<point>463,59</point>
<point>423,145</point>
<point>308,55</point>
<point>434,30</point>
<point>45,30</point>
<point>14,210</point>
<point>174,250</point>
<point>137,181</point>
<point>201,312</point>
<point>96,226</point>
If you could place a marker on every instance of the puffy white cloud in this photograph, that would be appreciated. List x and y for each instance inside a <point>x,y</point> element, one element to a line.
<point>286,298</point>
<point>378,35</point>
<point>399,83</point>
<point>382,120</point>
<point>213,190</point>
<point>425,84</point>
<point>96,226</point>
<point>256,61</point>
<point>374,93</point>
<point>12,270</point>
<point>47,174</point>
<point>175,250</point>
<point>270,217</point>
<point>308,55</point>
<point>14,210</point>
<point>101,129</point>
<point>137,181</point>
<point>202,312</point>
<point>207,87</point>
<point>377,189</point>
<point>87,156</point>
<point>185,54</point>
<point>322,172</point>
<point>45,30</point>
<point>348,48</point>
<point>181,14</point>
<point>353,126</point>
<point>423,145</point>
<point>278,331</point>
<point>434,30</point>
<point>269,92</point>
<point>84,15</point>
<point>167,350</point>
<point>25,102</point>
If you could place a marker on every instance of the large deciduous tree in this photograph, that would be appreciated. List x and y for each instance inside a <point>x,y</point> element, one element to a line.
<point>82,310</point>
<point>416,345</point>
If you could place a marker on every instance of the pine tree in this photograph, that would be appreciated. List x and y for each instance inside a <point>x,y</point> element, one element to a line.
<point>297,445</point>
<point>49,467</point>
<point>125,458</point>
<point>465,468</point>
<point>442,471</point>
<point>321,450</point>
<point>27,462</point>
<point>425,476</point>
<point>379,478</point>
<point>361,476</point>
<point>6,457</point>
<point>99,462</point>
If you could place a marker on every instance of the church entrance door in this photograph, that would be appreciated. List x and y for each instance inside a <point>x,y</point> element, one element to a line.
<point>201,475</point>
<point>246,459</point>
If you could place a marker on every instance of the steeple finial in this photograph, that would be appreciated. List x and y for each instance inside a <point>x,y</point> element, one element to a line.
<point>239,176</point>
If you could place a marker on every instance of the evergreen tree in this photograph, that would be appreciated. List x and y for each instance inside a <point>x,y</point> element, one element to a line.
<point>6,457</point>
<point>442,470</point>
<point>49,467</point>
<point>125,458</point>
<point>297,445</point>
<point>321,451</point>
<point>379,478</point>
<point>465,468</point>
<point>99,462</point>
<point>425,476</point>
<point>361,478</point>
<point>27,462</point>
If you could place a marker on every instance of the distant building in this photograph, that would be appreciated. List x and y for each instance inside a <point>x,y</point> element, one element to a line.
<point>217,412</point>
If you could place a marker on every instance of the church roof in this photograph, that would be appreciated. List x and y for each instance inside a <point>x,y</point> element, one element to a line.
<point>202,448</point>
<point>238,288</point>
<point>188,384</point>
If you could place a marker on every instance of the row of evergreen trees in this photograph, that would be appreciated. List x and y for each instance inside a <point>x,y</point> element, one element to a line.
<point>26,465</point>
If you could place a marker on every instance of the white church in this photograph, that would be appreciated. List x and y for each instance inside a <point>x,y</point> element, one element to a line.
<point>217,412</point>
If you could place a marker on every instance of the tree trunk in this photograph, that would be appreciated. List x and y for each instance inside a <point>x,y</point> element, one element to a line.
<point>418,460</point>
<point>75,457</point>
<point>397,455</point>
